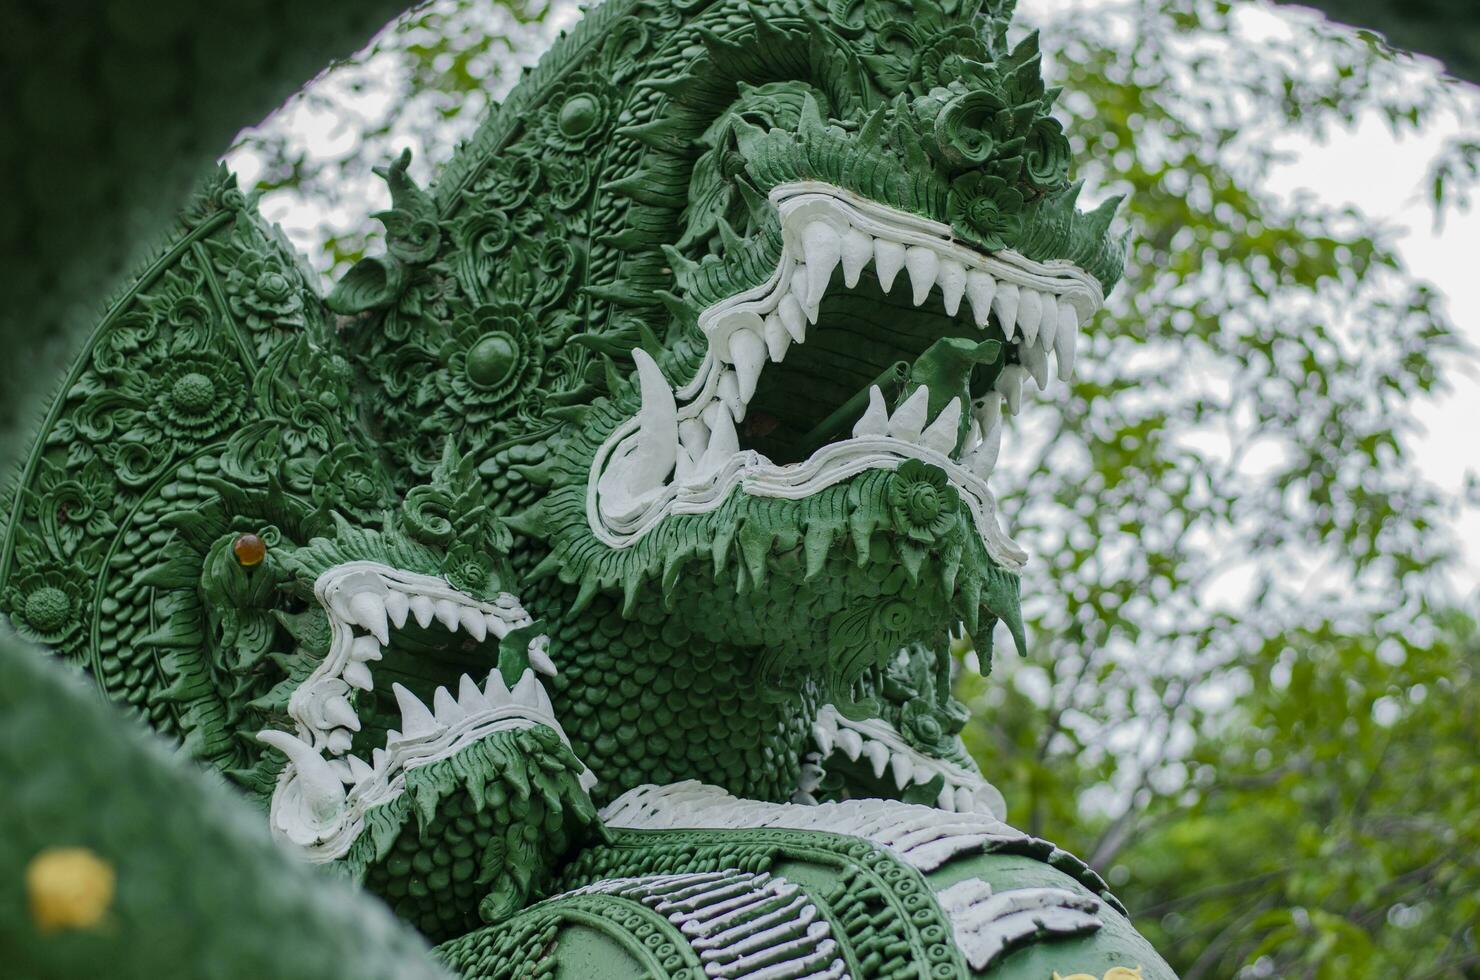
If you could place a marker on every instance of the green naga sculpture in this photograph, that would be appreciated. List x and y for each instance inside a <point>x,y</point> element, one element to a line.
<point>579,576</point>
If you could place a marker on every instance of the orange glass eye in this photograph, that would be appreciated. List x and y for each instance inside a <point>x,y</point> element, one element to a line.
<point>249,550</point>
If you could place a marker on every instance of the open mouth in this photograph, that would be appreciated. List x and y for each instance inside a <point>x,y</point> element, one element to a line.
<point>411,678</point>
<point>878,338</point>
<point>872,751</point>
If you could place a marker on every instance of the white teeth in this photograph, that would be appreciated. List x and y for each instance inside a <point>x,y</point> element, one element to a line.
<point>878,757</point>
<point>497,626</point>
<point>445,706</point>
<point>358,769</point>
<point>822,247</point>
<point>322,789</point>
<point>337,711</point>
<point>421,608</point>
<point>947,799</point>
<point>800,286</point>
<point>340,740</point>
<point>472,621</point>
<point>1068,336</point>
<point>729,393</point>
<point>1036,361</point>
<point>527,692</point>
<point>888,260</point>
<point>357,675</point>
<point>723,443</point>
<point>748,352</point>
<point>777,340</point>
<point>634,476</point>
<point>416,720</point>
<point>909,419</point>
<point>540,660</point>
<point>447,614</point>
<point>377,758</point>
<point>979,290</point>
<point>922,263</point>
<point>988,411</point>
<point>368,610</point>
<point>1005,305</point>
<point>1048,323</point>
<point>942,434</point>
<point>364,648</point>
<point>396,605</point>
<point>823,736</point>
<point>952,279</point>
<point>693,435</point>
<point>875,421</point>
<point>850,742</point>
<point>965,801</point>
<point>1030,313</point>
<point>983,459</point>
<point>496,690</point>
<point>858,248</point>
<point>1010,383</point>
<point>902,769</point>
<point>792,317</point>
<point>810,777</point>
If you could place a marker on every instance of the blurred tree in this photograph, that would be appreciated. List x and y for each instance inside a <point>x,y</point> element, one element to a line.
<point>1244,703</point>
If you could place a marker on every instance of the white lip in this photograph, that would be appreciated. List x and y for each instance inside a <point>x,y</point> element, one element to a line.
<point>324,793</point>
<point>677,456</point>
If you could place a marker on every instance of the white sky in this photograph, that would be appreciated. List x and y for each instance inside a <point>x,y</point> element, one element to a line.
<point>1384,177</point>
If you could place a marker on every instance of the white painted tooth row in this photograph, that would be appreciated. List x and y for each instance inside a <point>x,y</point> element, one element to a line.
<point>365,600</point>
<point>875,742</point>
<point>824,228</point>
<point>907,424</point>
<point>319,803</point>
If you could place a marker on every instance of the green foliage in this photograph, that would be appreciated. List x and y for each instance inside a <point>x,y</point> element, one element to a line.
<point>1227,499</point>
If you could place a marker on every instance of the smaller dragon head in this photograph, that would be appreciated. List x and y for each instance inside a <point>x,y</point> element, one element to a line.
<point>393,683</point>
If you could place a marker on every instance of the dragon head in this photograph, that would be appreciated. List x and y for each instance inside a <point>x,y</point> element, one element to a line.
<point>731,299</point>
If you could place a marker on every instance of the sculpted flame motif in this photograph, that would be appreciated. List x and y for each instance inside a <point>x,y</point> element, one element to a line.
<point>585,565</point>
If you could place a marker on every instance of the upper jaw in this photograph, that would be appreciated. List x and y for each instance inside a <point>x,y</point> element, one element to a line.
<point>324,793</point>
<point>681,452</point>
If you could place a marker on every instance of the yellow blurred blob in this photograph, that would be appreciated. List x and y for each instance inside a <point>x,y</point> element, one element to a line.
<point>69,888</point>
<point>1115,973</point>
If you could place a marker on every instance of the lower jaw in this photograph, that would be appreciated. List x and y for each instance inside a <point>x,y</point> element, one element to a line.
<point>753,475</point>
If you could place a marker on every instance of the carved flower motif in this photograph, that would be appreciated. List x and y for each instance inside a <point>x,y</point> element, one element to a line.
<point>921,501</point>
<point>46,605</point>
<point>350,483</point>
<point>471,570</point>
<point>583,106</point>
<point>919,724</point>
<point>493,359</point>
<point>570,182</point>
<point>950,55</point>
<point>508,181</point>
<point>985,210</point>
<point>963,128</point>
<point>264,291</point>
<point>193,397</point>
<point>1047,154</point>
<point>73,504</point>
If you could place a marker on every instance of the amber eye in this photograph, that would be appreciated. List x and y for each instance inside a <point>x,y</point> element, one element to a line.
<point>249,550</point>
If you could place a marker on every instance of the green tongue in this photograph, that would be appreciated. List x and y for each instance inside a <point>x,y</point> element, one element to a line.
<point>946,368</point>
